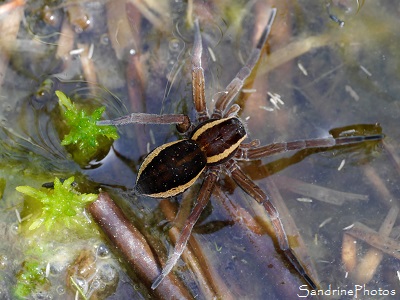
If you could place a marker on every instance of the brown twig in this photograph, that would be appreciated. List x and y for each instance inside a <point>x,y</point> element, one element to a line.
<point>156,18</point>
<point>134,248</point>
<point>208,279</point>
<point>123,36</point>
<point>381,243</point>
<point>366,269</point>
<point>135,78</point>
<point>9,27</point>
<point>392,153</point>
<point>317,192</point>
<point>379,184</point>
<point>88,66</point>
<point>375,239</point>
<point>6,8</point>
<point>349,252</point>
<point>66,42</point>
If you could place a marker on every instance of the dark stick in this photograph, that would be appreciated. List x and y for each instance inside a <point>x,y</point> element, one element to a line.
<point>134,248</point>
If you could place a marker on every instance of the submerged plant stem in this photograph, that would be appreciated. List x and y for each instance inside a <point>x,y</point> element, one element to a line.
<point>134,247</point>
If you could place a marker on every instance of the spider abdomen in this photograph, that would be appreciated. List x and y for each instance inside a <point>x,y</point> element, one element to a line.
<point>219,138</point>
<point>170,169</point>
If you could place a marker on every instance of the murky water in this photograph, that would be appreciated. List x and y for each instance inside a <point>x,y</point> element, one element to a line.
<point>326,65</point>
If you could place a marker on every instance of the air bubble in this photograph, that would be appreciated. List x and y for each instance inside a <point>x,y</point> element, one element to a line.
<point>81,282</point>
<point>95,284</point>
<point>14,229</point>
<point>107,273</point>
<point>56,268</point>
<point>41,295</point>
<point>174,45</point>
<point>104,39</point>
<point>60,290</point>
<point>7,107</point>
<point>3,262</point>
<point>103,251</point>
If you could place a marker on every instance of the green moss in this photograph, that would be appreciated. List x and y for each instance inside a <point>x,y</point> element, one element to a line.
<point>31,277</point>
<point>53,216</point>
<point>62,207</point>
<point>85,138</point>
<point>2,186</point>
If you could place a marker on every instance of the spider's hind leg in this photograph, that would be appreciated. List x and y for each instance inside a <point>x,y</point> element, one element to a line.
<point>245,183</point>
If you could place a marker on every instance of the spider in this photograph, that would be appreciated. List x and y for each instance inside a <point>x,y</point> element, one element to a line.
<point>215,145</point>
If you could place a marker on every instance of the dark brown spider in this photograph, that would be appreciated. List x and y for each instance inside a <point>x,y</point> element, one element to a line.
<point>215,145</point>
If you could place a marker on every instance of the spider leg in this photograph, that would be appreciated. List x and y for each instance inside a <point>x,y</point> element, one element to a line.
<point>202,200</point>
<point>198,83</point>
<point>143,118</point>
<point>252,153</point>
<point>245,183</point>
<point>236,84</point>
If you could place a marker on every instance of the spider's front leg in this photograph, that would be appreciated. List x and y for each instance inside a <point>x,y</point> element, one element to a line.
<point>180,245</point>
<point>245,183</point>
<point>198,82</point>
<point>257,152</point>
<point>182,121</point>
<point>233,88</point>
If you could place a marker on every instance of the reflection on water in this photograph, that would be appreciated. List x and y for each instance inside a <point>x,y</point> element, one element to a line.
<point>314,76</point>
